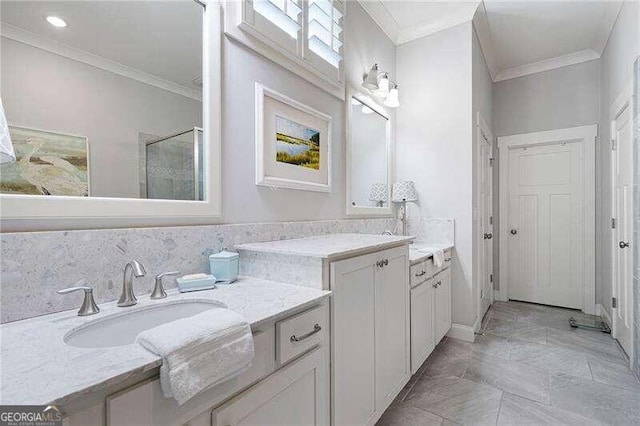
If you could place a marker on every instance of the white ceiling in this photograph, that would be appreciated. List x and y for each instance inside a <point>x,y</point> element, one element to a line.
<point>160,38</point>
<point>518,37</point>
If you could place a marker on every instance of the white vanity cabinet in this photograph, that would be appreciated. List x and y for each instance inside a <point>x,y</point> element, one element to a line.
<point>442,281</point>
<point>430,308</point>
<point>370,351</point>
<point>287,384</point>
<point>423,330</point>
<point>295,395</point>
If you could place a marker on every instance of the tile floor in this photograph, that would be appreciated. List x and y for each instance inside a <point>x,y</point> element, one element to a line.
<point>528,366</point>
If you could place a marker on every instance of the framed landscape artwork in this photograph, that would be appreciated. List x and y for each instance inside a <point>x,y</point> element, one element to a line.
<point>46,163</point>
<point>293,143</point>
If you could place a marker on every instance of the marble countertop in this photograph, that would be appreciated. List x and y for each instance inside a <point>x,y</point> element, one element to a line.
<point>37,367</point>
<point>328,246</point>
<point>422,251</point>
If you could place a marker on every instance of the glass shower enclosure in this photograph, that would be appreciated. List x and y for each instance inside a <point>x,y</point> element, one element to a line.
<point>174,166</point>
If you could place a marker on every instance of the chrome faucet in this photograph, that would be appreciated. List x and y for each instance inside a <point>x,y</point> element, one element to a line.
<point>127,298</point>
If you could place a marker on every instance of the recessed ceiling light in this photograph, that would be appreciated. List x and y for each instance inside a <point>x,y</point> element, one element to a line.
<point>56,22</point>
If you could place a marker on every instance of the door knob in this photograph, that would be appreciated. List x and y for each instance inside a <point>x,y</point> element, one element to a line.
<point>623,244</point>
<point>514,231</point>
<point>488,236</point>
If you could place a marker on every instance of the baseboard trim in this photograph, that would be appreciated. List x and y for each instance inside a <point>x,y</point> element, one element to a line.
<point>498,296</point>
<point>462,332</point>
<point>602,312</point>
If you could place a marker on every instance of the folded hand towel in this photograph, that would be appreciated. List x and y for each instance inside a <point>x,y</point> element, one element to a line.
<point>199,352</point>
<point>438,258</point>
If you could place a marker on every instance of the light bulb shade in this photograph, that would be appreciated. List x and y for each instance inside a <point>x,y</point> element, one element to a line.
<point>392,100</point>
<point>404,191</point>
<point>379,192</point>
<point>7,153</point>
<point>371,80</point>
<point>383,88</point>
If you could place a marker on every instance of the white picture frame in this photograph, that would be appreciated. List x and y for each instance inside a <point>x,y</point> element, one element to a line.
<point>270,107</point>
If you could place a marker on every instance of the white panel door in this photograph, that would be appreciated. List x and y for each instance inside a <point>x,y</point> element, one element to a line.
<point>545,222</point>
<point>392,326</point>
<point>353,340</point>
<point>622,135</point>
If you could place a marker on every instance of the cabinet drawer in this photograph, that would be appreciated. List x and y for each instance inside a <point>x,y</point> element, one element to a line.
<point>298,334</point>
<point>419,273</point>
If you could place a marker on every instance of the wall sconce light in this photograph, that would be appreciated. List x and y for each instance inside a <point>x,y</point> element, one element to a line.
<point>378,83</point>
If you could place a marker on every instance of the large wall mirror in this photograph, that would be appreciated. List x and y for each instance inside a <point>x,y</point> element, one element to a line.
<point>112,108</point>
<point>368,157</point>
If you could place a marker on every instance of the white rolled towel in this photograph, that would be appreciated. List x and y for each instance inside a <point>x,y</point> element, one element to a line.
<point>438,258</point>
<point>200,352</point>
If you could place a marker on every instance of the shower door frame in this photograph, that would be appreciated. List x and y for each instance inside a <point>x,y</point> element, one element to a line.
<point>196,161</point>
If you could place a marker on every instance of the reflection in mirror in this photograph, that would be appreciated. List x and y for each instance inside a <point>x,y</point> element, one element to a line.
<point>368,156</point>
<point>105,100</point>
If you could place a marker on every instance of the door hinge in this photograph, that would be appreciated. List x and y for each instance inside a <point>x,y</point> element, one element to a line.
<point>613,144</point>
<point>613,223</point>
<point>490,220</point>
<point>491,161</point>
<point>614,302</point>
<point>481,294</point>
<point>490,278</point>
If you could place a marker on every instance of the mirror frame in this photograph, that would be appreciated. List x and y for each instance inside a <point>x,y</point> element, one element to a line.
<point>17,212</point>
<point>368,211</point>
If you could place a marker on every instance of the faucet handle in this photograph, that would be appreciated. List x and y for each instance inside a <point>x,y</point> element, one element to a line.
<point>89,306</point>
<point>158,290</point>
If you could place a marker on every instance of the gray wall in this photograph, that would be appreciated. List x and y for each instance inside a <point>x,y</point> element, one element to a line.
<point>617,61</point>
<point>555,99</point>
<point>434,143</point>
<point>45,91</point>
<point>482,102</point>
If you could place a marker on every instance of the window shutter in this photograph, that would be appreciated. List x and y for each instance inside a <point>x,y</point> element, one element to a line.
<point>325,30</point>
<point>282,13</point>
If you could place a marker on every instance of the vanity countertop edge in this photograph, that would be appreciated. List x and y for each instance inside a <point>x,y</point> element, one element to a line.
<point>330,246</point>
<point>38,367</point>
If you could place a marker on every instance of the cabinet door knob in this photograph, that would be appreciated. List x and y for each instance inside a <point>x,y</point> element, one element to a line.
<point>488,236</point>
<point>435,285</point>
<point>386,262</point>
<point>623,244</point>
<point>514,231</point>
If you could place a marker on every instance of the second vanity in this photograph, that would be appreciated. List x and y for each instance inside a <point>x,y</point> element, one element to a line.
<point>377,320</point>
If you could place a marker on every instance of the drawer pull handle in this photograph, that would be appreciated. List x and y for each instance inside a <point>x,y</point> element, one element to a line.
<point>316,329</point>
<point>421,273</point>
<point>448,259</point>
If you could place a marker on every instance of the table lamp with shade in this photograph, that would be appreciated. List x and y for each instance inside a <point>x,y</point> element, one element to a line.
<point>378,193</point>
<point>402,192</point>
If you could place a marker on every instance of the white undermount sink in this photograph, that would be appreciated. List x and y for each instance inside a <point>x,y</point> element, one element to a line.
<point>122,328</point>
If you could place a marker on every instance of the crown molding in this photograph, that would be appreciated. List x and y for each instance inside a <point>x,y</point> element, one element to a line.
<point>421,30</point>
<point>381,16</point>
<point>483,31</point>
<point>26,37</point>
<point>547,64</point>
<point>606,25</point>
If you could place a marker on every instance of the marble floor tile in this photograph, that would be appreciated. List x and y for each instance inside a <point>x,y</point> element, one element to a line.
<point>404,414</point>
<point>614,374</point>
<point>544,371</point>
<point>515,410</point>
<point>448,359</point>
<point>608,404</point>
<point>552,359</point>
<point>518,330</point>
<point>459,400</point>
<point>510,376</point>
<point>591,342</point>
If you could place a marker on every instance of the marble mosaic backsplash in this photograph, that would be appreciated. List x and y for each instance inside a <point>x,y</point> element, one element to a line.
<point>33,265</point>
